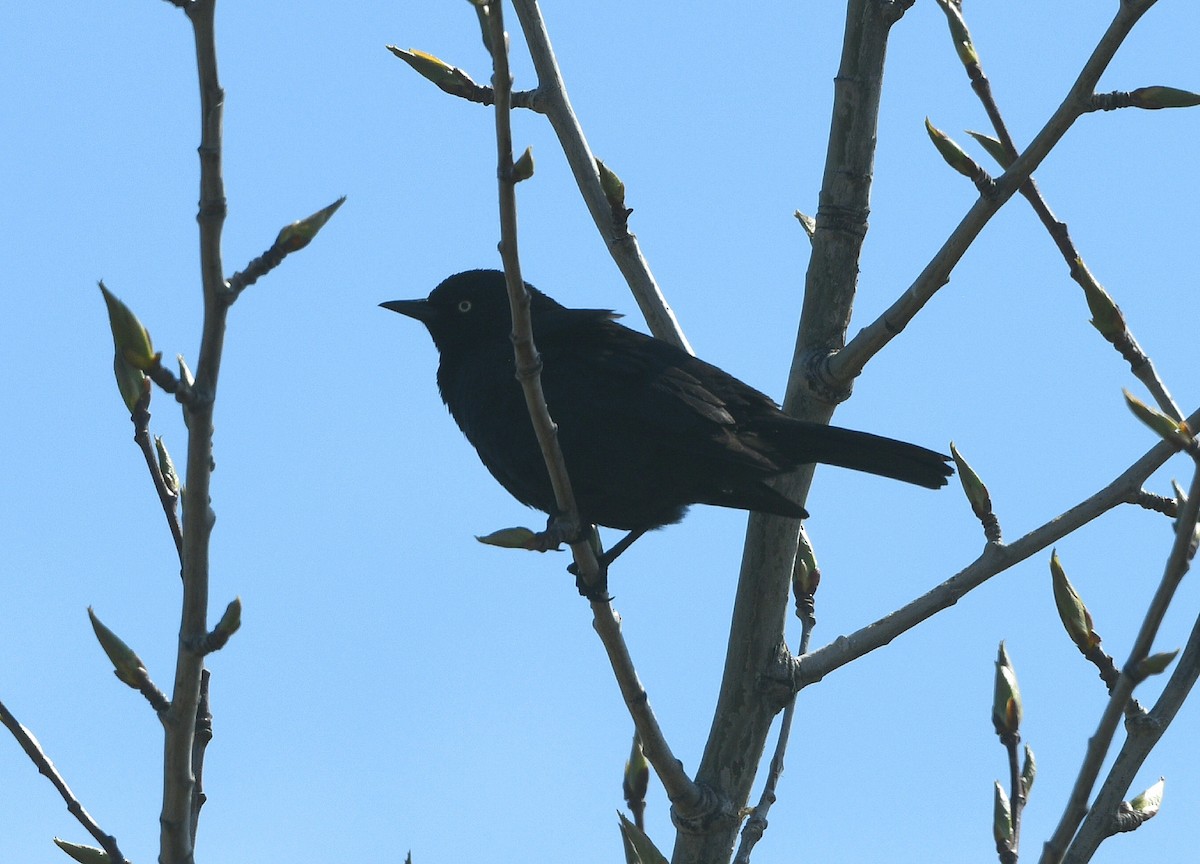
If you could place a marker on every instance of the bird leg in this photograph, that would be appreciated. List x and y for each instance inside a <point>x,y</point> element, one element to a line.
<point>603,559</point>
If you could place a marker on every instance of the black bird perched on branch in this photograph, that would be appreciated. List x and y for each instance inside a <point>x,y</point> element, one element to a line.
<point>645,428</point>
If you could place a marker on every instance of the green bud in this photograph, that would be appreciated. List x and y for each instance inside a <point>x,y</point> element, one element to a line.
<point>166,465</point>
<point>185,374</point>
<point>1106,314</point>
<point>127,666</point>
<point>449,79</point>
<point>808,223</point>
<point>83,854</point>
<point>1075,617</point>
<point>954,155</point>
<point>1155,664</point>
<point>994,149</point>
<point>231,621</point>
<point>959,33</point>
<point>1170,430</point>
<point>1028,771</point>
<point>614,189</point>
<point>1149,801</point>
<point>1006,700</point>
<point>509,538</point>
<point>1002,821</point>
<point>806,576</point>
<point>131,382</point>
<point>1154,98</point>
<point>299,234</point>
<point>643,847</point>
<point>976,491</point>
<point>637,773</point>
<point>129,336</point>
<point>523,168</point>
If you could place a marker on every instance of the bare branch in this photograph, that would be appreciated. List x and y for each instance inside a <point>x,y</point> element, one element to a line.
<point>622,245</point>
<point>679,786</point>
<point>995,559</point>
<point>1098,744</point>
<point>39,758</point>
<point>848,363</point>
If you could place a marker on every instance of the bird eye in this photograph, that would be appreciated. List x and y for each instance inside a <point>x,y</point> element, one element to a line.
<point>464,305</point>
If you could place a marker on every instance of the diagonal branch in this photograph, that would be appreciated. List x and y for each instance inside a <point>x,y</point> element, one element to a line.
<point>995,559</point>
<point>679,786</point>
<point>848,363</point>
<point>1106,316</point>
<point>39,758</point>
<point>622,245</point>
<point>1100,741</point>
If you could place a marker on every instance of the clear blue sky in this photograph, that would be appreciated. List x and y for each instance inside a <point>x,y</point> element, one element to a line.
<point>395,684</point>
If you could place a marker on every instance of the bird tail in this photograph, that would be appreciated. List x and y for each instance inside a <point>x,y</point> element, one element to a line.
<point>862,451</point>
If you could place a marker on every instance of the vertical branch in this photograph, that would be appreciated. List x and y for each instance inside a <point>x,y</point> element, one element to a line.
<point>605,619</point>
<point>744,710</point>
<point>1178,562</point>
<point>180,799</point>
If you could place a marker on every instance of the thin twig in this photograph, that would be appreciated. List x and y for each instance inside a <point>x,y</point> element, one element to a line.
<point>166,496</point>
<point>1142,738</point>
<point>621,244</point>
<point>679,786</point>
<point>995,559</point>
<point>1120,336</point>
<point>179,810</point>
<point>39,758</point>
<point>1098,744</point>
<point>848,363</point>
<point>805,579</point>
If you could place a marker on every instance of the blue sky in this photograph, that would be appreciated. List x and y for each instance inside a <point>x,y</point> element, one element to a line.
<point>396,685</point>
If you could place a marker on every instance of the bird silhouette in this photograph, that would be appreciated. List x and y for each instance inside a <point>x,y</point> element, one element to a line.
<point>646,429</point>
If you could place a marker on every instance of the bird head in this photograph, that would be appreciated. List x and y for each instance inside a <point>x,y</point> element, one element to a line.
<point>468,308</point>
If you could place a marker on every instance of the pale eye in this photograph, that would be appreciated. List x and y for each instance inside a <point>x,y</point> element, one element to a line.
<point>464,305</point>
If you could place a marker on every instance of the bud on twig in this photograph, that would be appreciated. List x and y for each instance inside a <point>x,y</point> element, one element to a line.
<point>1176,432</point>
<point>1006,700</point>
<point>509,538</point>
<point>637,776</point>
<point>523,168</point>
<point>954,155</point>
<point>132,382</point>
<point>1002,819</point>
<point>1106,314</point>
<point>127,666</point>
<point>130,338</point>
<point>166,466</point>
<point>83,854</point>
<point>808,223</point>
<point>449,79</point>
<point>1131,814</point>
<point>299,234</point>
<point>1153,98</point>
<point>994,148</point>
<point>977,496</point>
<point>1155,664</point>
<point>1028,771</point>
<point>1075,617</point>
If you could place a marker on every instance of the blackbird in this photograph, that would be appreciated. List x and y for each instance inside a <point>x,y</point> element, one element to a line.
<point>645,428</point>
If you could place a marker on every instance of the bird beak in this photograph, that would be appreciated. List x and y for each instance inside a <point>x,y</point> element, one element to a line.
<point>419,309</point>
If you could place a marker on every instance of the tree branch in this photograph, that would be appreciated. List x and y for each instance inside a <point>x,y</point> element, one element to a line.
<point>605,620</point>
<point>995,559</point>
<point>180,758</point>
<point>848,363</point>
<point>1098,744</point>
<point>39,758</point>
<point>622,245</point>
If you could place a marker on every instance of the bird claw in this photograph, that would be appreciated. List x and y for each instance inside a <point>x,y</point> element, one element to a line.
<point>593,593</point>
